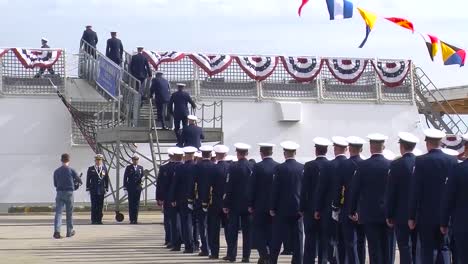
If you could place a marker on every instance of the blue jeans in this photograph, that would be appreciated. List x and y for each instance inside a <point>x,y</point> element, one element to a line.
<point>63,199</point>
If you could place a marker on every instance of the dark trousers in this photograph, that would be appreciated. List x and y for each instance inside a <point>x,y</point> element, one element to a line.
<point>347,230</point>
<point>196,232</point>
<point>233,230</point>
<point>282,227</point>
<point>176,237</point>
<point>261,233</point>
<point>432,242</point>
<point>167,225</point>
<point>361,243</point>
<point>215,218</point>
<point>325,248</point>
<point>311,230</point>
<point>186,225</point>
<point>202,229</point>
<point>161,111</point>
<point>42,71</point>
<point>461,243</point>
<point>178,132</point>
<point>405,243</point>
<point>97,203</point>
<point>381,241</point>
<point>133,204</point>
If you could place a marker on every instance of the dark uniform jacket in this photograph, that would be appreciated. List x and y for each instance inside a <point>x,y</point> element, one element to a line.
<point>192,136</point>
<point>163,183</point>
<point>182,186</point>
<point>328,186</point>
<point>114,50</point>
<point>312,171</point>
<point>217,185</point>
<point>97,183</point>
<point>178,104</point>
<point>161,90</point>
<point>430,175</point>
<point>133,178</point>
<point>203,172</point>
<point>91,37</point>
<point>46,55</point>
<point>455,202</point>
<point>286,191</point>
<point>237,182</point>
<point>139,66</point>
<point>398,188</point>
<point>368,189</point>
<point>346,172</point>
<point>261,184</point>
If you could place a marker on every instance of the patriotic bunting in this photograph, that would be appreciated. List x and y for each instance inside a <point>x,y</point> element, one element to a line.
<point>340,9</point>
<point>304,2</point>
<point>369,19</point>
<point>452,55</point>
<point>401,22</point>
<point>3,52</point>
<point>258,68</point>
<point>432,44</point>
<point>302,69</point>
<point>32,58</point>
<point>347,70</point>
<point>156,58</point>
<point>392,73</point>
<point>211,64</point>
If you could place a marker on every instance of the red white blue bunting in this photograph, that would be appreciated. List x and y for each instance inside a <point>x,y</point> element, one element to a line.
<point>3,52</point>
<point>302,69</point>
<point>256,67</point>
<point>33,58</point>
<point>347,70</point>
<point>212,64</point>
<point>392,73</point>
<point>156,58</point>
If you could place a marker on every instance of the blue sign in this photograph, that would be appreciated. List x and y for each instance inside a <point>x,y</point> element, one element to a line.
<point>108,76</point>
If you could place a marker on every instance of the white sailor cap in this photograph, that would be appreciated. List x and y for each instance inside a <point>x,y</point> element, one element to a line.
<point>135,156</point>
<point>408,137</point>
<point>192,117</point>
<point>266,145</point>
<point>377,137</point>
<point>465,137</point>
<point>450,152</point>
<point>388,154</point>
<point>353,140</point>
<point>99,157</point>
<point>320,141</point>
<point>44,39</point>
<point>178,151</point>
<point>198,154</point>
<point>221,149</point>
<point>181,84</point>
<point>241,146</point>
<point>190,150</point>
<point>289,145</point>
<point>340,141</point>
<point>206,148</point>
<point>434,133</point>
<point>170,150</point>
<point>417,152</point>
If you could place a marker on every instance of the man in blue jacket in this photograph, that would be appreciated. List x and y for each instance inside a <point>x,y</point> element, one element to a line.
<point>179,110</point>
<point>192,134</point>
<point>161,90</point>
<point>97,184</point>
<point>133,185</point>
<point>140,69</point>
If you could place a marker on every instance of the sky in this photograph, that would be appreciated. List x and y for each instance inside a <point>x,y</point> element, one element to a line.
<point>254,27</point>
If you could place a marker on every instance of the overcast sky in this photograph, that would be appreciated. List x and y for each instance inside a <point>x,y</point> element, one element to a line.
<point>243,26</point>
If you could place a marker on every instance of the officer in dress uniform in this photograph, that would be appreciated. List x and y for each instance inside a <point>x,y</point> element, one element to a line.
<point>97,184</point>
<point>368,193</point>
<point>114,49</point>
<point>397,195</point>
<point>430,176</point>
<point>140,69</point>
<point>259,204</point>
<point>173,214</point>
<point>161,190</point>
<point>45,56</point>
<point>161,90</point>
<point>203,171</point>
<point>133,180</point>
<point>236,204</point>
<point>192,134</point>
<point>454,206</point>
<point>91,38</point>
<point>216,217</point>
<point>179,110</point>
<point>285,204</point>
<point>312,171</point>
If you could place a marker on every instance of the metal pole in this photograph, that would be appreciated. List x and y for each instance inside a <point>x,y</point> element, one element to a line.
<point>412,69</point>
<point>117,177</point>
<point>203,115</point>
<point>214,114</point>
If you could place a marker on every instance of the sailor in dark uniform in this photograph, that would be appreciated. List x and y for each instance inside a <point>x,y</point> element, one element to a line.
<point>192,134</point>
<point>259,204</point>
<point>133,180</point>
<point>285,203</point>
<point>97,184</point>
<point>114,49</point>
<point>216,217</point>
<point>140,69</point>
<point>454,207</point>
<point>181,194</point>
<point>161,90</point>
<point>429,182</point>
<point>397,196</point>
<point>368,193</point>
<point>203,171</point>
<point>312,171</point>
<point>90,37</point>
<point>179,110</point>
<point>161,194</point>
<point>173,214</point>
<point>45,56</point>
<point>236,204</point>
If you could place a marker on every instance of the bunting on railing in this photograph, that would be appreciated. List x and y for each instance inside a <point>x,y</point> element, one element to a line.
<point>256,67</point>
<point>32,58</point>
<point>347,70</point>
<point>392,73</point>
<point>302,69</point>
<point>156,58</point>
<point>212,64</point>
<point>3,52</point>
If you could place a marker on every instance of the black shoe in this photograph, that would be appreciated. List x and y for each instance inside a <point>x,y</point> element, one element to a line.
<point>245,260</point>
<point>175,249</point>
<point>213,257</point>
<point>196,249</point>
<point>227,258</point>
<point>286,253</point>
<point>57,235</point>
<point>188,251</point>
<point>169,246</point>
<point>100,223</point>
<point>72,233</point>
<point>203,254</point>
<point>166,243</point>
